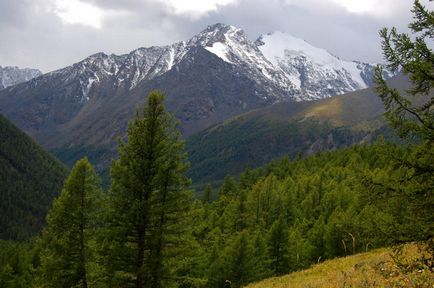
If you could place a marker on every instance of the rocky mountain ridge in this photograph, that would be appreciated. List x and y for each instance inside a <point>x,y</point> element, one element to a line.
<point>12,75</point>
<point>288,67</point>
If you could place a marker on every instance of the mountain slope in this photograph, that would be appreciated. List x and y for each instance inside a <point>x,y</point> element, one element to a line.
<point>29,180</point>
<point>256,137</point>
<point>377,268</point>
<point>217,74</point>
<point>10,76</point>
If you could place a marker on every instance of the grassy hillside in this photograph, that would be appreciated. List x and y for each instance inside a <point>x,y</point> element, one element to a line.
<point>29,180</point>
<point>403,267</point>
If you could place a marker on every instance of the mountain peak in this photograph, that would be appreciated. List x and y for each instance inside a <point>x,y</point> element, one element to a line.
<point>97,55</point>
<point>220,27</point>
<point>218,33</point>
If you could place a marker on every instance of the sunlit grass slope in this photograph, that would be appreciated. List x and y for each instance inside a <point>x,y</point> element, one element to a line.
<point>405,267</point>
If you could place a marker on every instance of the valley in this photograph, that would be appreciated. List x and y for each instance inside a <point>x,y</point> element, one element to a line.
<point>215,158</point>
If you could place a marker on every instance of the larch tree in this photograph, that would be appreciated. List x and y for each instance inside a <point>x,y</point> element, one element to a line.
<point>410,114</point>
<point>68,257</point>
<point>148,200</point>
<point>278,247</point>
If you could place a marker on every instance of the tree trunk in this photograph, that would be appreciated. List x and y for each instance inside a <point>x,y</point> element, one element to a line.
<point>82,224</point>
<point>140,258</point>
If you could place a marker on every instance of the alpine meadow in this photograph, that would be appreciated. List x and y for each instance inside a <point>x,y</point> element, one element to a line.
<point>219,162</point>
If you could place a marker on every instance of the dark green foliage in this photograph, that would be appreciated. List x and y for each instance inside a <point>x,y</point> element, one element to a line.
<point>280,218</point>
<point>278,246</point>
<point>410,114</point>
<point>148,202</point>
<point>18,263</point>
<point>29,180</point>
<point>207,195</point>
<point>236,263</point>
<point>262,267</point>
<point>68,255</point>
<point>407,185</point>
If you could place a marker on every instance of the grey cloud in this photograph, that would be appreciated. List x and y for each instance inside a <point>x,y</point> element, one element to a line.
<point>349,36</point>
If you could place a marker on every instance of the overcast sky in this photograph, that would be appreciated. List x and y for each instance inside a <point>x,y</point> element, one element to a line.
<point>51,34</point>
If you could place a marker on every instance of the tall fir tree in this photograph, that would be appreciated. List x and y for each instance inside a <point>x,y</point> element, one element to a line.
<point>68,258</point>
<point>148,200</point>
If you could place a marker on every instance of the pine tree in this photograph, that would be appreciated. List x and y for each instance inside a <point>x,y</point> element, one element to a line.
<point>148,199</point>
<point>68,257</point>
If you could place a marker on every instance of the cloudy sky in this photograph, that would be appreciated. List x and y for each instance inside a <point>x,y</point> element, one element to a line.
<point>51,34</point>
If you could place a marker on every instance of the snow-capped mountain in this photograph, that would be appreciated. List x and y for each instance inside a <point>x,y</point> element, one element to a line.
<point>215,75</point>
<point>125,71</point>
<point>315,72</point>
<point>227,42</point>
<point>285,67</point>
<point>13,75</point>
<point>232,46</point>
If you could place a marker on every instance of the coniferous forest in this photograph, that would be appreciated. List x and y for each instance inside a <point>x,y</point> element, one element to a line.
<point>150,229</point>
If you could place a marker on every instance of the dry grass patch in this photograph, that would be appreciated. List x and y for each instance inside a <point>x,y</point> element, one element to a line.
<point>410,265</point>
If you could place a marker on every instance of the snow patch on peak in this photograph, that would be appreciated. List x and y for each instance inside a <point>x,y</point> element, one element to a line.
<point>220,50</point>
<point>232,45</point>
<point>216,33</point>
<point>314,71</point>
<point>274,45</point>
